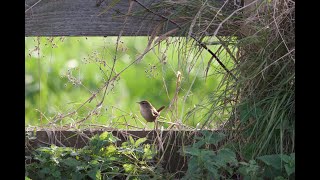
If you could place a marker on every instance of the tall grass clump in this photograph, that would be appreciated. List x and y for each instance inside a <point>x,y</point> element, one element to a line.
<point>255,100</point>
<point>266,110</point>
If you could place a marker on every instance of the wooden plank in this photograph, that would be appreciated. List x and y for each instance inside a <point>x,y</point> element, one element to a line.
<point>78,18</point>
<point>86,18</point>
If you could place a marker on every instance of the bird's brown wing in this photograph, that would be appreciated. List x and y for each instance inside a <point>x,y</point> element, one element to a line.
<point>160,109</point>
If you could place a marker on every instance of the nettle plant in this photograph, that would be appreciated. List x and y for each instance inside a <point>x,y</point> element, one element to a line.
<point>204,163</point>
<point>223,163</point>
<point>101,159</point>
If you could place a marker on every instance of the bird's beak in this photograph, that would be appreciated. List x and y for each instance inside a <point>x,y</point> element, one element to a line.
<point>138,102</point>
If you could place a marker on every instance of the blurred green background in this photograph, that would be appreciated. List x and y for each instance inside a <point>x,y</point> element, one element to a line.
<point>54,67</point>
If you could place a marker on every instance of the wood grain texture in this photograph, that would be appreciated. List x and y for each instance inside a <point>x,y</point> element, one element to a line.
<point>86,18</point>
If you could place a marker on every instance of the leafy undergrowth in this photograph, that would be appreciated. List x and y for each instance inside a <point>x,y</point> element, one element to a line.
<point>223,163</point>
<point>103,159</point>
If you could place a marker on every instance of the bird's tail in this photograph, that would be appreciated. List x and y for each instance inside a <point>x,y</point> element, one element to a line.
<point>160,109</point>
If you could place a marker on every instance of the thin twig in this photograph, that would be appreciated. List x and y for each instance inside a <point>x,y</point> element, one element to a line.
<point>115,56</point>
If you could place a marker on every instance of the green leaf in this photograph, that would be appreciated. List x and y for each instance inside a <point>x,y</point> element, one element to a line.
<point>193,167</point>
<point>45,170</point>
<point>56,174</point>
<point>289,169</point>
<point>292,155</point>
<point>131,140</point>
<point>77,175</point>
<point>71,162</point>
<point>140,141</point>
<point>107,136</point>
<point>272,160</point>
<point>45,150</point>
<point>104,135</point>
<point>192,151</point>
<point>250,170</point>
<point>128,168</point>
<point>213,171</point>
<point>98,175</point>
<point>290,166</point>
<point>285,158</point>
<point>223,157</point>
<point>227,155</point>
<point>215,138</point>
<point>111,149</point>
<point>148,153</point>
<point>94,162</point>
<point>271,172</point>
<point>53,147</point>
<point>94,174</point>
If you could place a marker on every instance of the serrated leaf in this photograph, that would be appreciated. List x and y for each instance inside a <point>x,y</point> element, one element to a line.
<point>228,155</point>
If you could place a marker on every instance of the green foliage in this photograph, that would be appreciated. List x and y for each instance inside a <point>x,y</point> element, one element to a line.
<point>250,170</point>
<point>266,112</point>
<point>275,166</point>
<point>222,163</point>
<point>101,159</point>
<point>205,163</point>
<point>277,163</point>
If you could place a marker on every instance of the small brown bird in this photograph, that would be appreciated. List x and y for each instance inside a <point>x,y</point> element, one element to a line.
<point>148,112</point>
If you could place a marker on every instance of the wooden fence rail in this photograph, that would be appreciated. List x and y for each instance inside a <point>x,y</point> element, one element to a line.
<point>173,140</point>
<point>90,18</point>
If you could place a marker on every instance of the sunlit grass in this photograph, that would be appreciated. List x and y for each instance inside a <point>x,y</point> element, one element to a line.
<point>154,79</point>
